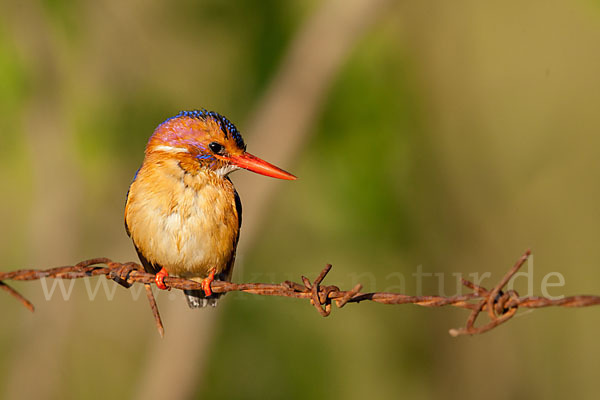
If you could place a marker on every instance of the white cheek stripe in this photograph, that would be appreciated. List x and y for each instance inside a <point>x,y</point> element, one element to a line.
<point>170,149</point>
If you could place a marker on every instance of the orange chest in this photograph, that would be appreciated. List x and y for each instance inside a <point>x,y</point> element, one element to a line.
<point>186,223</point>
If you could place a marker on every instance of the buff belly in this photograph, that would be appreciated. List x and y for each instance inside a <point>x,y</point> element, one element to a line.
<point>186,223</point>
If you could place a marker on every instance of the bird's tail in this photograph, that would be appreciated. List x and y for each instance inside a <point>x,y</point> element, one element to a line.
<point>197,298</point>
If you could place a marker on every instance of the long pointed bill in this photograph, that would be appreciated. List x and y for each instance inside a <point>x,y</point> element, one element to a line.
<point>255,164</point>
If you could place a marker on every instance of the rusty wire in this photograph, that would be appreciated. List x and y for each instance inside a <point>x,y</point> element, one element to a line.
<point>499,305</point>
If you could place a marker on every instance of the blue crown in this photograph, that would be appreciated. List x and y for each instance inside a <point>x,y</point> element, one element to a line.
<point>226,126</point>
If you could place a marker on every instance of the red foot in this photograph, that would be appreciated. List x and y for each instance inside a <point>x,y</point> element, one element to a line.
<point>159,278</point>
<point>207,281</point>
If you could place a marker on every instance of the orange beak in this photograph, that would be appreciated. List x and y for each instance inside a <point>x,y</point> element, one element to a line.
<point>255,164</point>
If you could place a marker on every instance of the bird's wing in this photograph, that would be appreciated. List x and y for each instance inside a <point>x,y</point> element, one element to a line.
<point>148,266</point>
<point>228,271</point>
<point>127,202</point>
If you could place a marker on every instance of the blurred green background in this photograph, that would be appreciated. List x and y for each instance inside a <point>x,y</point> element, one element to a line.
<point>446,135</point>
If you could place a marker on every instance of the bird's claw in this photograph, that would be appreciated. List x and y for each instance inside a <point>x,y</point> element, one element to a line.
<point>207,281</point>
<point>159,279</point>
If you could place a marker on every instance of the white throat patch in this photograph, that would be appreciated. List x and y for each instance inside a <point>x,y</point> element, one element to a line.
<point>224,171</point>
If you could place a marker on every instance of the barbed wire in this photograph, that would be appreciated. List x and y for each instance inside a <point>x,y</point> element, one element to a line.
<point>499,305</point>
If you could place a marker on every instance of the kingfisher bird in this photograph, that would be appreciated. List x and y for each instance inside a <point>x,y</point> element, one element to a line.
<point>183,212</point>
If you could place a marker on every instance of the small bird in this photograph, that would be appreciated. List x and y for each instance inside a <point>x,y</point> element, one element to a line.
<point>182,212</point>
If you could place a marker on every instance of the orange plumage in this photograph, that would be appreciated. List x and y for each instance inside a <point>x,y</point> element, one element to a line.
<point>183,213</point>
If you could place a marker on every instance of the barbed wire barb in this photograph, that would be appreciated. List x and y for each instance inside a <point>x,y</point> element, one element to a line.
<point>499,305</point>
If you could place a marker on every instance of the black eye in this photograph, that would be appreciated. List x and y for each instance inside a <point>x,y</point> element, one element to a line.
<point>216,147</point>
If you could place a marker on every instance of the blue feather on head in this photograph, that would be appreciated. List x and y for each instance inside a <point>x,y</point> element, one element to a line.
<point>226,126</point>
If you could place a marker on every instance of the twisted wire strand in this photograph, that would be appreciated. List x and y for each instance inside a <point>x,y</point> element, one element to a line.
<point>500,306</point>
